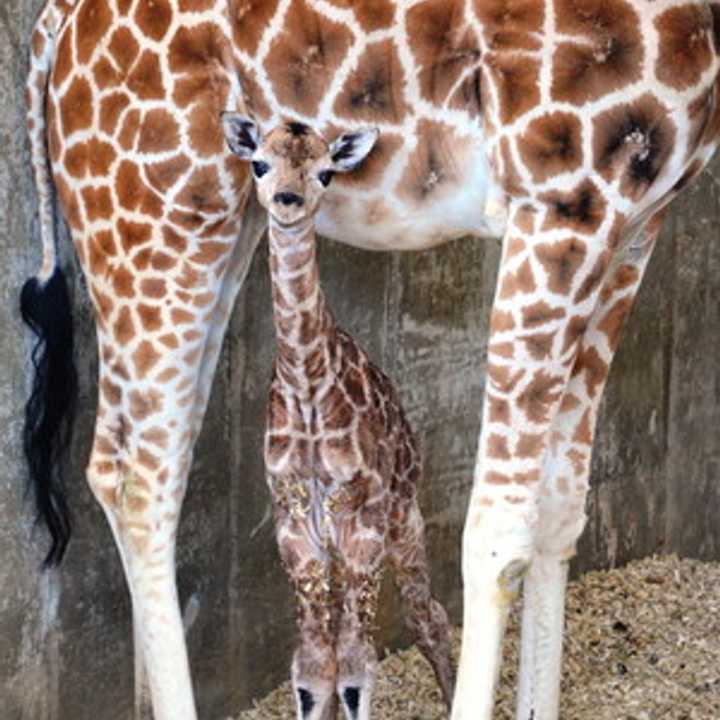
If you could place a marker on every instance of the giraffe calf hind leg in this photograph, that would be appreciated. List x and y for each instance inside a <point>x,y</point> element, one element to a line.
<point>357,668</point>
<point>355,651</point>
<point>426,617</point>
<point>428,621</point>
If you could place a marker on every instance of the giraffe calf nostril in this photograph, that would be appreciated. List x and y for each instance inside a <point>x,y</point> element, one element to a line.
<point>288,198</point>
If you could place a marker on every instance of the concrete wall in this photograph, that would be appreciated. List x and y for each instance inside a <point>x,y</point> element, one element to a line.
<point>65,649</point>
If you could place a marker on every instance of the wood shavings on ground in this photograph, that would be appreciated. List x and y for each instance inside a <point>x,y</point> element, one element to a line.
<point>641,643</point>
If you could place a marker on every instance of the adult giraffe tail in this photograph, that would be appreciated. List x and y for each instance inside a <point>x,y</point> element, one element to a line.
<point>45,307</point>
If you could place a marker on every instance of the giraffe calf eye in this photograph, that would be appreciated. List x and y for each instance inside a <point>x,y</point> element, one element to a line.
<point>259,168</point>
<point>325,177</point>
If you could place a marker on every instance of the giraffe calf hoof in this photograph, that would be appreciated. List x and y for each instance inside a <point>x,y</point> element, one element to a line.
<point>306,700</point>
<point>351,698</point>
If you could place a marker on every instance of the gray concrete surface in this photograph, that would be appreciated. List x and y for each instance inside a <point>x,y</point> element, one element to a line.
<point>65,649</point>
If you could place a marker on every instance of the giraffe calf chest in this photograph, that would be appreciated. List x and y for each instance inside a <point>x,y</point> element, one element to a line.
<point>335,436</point>
<point>330,457</point>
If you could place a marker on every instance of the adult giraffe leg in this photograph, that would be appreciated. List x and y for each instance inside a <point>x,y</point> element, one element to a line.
<point>548,287</point>
<point>240,257</point>
<point>254,224</point>
<point>157,236</point>
<point>143,696</point>
<point>566,481</point>
<point>141,492</point>
<point>153,351</point>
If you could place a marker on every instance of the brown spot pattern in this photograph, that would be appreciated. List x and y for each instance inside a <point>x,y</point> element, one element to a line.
<point>538,397</point>
<point>124,329</point>
<point>442,46</point>
<point>303,58</point>
<point>561,261</point>
<point>76,109</point>
<point>520,281</point>
<point>583,73</point>
<point>249,19</point>
<point>111,106</point>
<point>146,79</point>
<point>517,82</point>
<point>551,145</point>
<point>612,323</point>
<point>685,50</point>
<point>540,313</point>
<point>431,166</point>
<point>374,90</point>
<point>497,447</point>
<point>153,18</point>
<point>145,358</point>
<point>371,14</point>
<point>510,22</point>
<point>633,141</point>
<point>593,367</point>
<point>92,23</point>
<point>580,210</point>
<point>124,48</point>
<point>159,132</point>
<point>98,203</point>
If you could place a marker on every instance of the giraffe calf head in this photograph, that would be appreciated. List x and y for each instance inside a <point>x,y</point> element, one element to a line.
<point>293,165</point>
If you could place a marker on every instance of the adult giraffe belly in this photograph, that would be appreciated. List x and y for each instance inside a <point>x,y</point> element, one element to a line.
<point>409,69</point>
<point>416,192</point>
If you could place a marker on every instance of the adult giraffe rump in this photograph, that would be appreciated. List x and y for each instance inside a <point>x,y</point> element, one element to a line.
<point>594,114</point>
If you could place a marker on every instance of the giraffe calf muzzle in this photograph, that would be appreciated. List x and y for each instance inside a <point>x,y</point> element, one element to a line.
<point>288,199</point>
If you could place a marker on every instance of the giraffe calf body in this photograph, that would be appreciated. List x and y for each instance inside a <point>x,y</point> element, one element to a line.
<point>342,462</point>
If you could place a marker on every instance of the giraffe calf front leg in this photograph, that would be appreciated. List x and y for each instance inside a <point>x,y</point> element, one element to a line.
<point>357,661</point>
<point>314,667</point>
<point>314,673</point>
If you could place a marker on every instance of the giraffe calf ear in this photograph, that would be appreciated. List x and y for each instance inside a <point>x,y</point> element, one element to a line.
<point>241,133</point>
<point>350,149</point>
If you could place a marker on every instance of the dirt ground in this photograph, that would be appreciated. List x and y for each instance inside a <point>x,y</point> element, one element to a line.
<point>642,643</point>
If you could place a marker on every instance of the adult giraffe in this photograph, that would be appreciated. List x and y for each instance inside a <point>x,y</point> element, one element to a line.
<point>566,126</point>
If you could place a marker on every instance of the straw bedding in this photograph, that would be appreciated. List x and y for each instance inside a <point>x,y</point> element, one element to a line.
<point>641,643</point>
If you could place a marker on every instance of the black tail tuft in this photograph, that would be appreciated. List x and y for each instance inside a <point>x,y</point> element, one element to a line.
<point>50,411</point>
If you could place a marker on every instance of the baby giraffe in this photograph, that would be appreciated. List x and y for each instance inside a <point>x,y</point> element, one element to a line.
<point>342,462</point>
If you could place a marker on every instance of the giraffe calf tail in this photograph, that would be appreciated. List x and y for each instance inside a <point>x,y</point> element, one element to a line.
<point>45,307</point>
